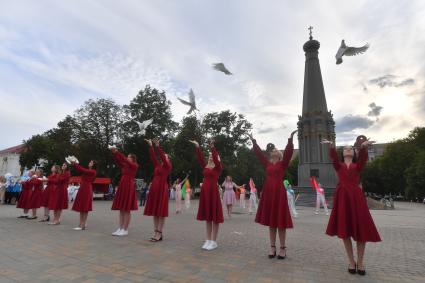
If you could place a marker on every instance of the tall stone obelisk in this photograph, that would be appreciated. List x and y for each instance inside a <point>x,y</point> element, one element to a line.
<point>315,124</point>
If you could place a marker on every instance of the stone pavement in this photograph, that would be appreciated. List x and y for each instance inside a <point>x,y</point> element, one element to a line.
<point>35,252</point>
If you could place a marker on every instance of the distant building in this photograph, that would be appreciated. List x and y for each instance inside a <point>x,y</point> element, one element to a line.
<point>9,160</point>
<point>376,150</point>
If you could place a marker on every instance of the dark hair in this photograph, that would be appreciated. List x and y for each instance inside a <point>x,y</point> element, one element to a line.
<point>270,147</point>
<point>133,156</point>
<point>94,164</point>
<point>67,167</point>
<point>354,155</point>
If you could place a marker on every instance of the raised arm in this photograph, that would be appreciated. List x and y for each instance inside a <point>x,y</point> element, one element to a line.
<point>165,162</point>
<point>200,157</point>
<point>287,154</point>
<point>84,171</point>
<point>184,180</point>
<point>118,157</point>
<point>363,157</point>
<point>259,154</point>
<point>152,155</point>
<point>216,160</point>
<point>122,160</point>
<point>334,157</point>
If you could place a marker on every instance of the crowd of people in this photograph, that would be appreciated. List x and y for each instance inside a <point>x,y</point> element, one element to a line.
<point>349,219</point>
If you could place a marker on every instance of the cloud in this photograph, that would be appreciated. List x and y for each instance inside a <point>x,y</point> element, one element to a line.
<point>270,129</point>
<point>391,81</point>
<point>352,122</point>
<point>375,110</point>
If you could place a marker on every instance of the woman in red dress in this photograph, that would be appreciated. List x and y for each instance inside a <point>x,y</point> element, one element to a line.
<point>52,181</point>
<point>125,198</point>
<point>273,210</point>
<point>37,192</point>
<point>58,200</point>
<point>25,195</point>
<point>84,199</point>
<point>350,216</point>
<point>157,202</point>
<point>210,209</point>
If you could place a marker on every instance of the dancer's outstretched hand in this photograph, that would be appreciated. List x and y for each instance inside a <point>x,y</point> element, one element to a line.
<point>149,142</point>
<point>292,134</point>
<point>194,142</point>
<point>367,143</point>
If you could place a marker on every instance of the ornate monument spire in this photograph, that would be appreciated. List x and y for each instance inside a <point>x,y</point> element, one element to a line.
<point>314,99</point>
<point>315,124</point>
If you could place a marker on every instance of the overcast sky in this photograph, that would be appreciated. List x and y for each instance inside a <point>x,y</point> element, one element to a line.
<point>54,55</point>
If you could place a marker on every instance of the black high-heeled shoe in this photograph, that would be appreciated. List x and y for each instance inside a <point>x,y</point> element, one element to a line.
<point>352,270</point>
<point>282,256</point>
<point>361,272</point>
<point>153,239</point>
<point>274,254</point>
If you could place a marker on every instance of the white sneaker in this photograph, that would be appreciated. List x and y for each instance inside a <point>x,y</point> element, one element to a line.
<point>78,228</point>
<point>206,244</point>
<point>295,215</point>
<point>316,212</point>
<point>212,246</point>
<point>123,233</point>
<point>117,233</point>
<point>327,213</point>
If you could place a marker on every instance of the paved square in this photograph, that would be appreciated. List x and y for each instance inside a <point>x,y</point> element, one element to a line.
<point>35,252</point>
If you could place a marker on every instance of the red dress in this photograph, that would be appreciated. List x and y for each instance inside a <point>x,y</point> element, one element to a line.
<point>59,196</point>
<point>52,181</point>
<point>273,210</point>
<point>125,198</point>
<point>37,193</point>
<point>25,196</point>
<point>157,202</point>
<point>350,216</point>
<point>210,208</point>
<point>84,199</point>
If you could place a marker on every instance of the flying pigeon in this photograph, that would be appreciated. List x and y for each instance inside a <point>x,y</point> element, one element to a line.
<point>221,68</point>
<point>349,51</point>
<point>143,125</point>
<point>71,158</point>
<point>190,103</point>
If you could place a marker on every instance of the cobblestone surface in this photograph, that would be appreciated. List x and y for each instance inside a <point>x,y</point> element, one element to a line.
<point>35,252</point>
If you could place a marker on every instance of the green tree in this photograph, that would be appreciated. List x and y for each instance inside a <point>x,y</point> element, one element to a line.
<point>229,131</point>
<point>149,103</point>
<point>416,177</point>
<point>183,154</point>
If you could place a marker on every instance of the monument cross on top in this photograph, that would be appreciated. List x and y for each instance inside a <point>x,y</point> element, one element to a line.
<point>310,28</point>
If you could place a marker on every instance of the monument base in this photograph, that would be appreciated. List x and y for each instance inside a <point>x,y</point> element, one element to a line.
<point>307,196</point>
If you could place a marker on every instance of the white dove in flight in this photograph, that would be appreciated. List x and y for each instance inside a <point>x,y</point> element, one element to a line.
<point>190,103</point>
<point>143,125</point>
<point>221,68</point>
<point>349,51</point>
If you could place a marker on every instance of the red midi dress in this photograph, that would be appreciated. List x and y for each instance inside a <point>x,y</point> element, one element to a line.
<point>273,210</point>
<point>52,181</point>
<point>37,193</point>
<point>25,195</point>
<point>210,208</point>
<point>350,216</point>
<point>125,198</point>
<point>59,196</point>
<point>84,200</point>
<point>157,202</point>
